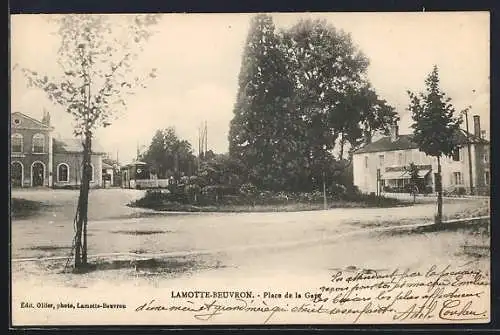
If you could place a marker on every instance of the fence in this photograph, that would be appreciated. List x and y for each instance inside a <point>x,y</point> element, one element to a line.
<point>150,183</point>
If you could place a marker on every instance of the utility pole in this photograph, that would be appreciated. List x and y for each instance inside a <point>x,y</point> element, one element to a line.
<point>206,137</point>
<point>325,205</point>
<point>202,143</point>
<point>471,182</point>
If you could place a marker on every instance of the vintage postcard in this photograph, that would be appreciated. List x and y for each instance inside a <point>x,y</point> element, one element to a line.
<point>250,169</point>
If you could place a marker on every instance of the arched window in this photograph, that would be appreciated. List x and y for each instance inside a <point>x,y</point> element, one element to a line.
<point>38,143</point>
<point>63,172</point>
<point>17,142</point>
<point>91,172</point>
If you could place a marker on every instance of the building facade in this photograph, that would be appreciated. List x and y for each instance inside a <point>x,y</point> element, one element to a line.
<point>381,166</point>
<point>39,160</point>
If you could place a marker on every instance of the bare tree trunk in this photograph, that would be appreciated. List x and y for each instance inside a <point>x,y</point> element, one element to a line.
<point>78,237</point>
<point>83,202</point>
<point>439,216</point>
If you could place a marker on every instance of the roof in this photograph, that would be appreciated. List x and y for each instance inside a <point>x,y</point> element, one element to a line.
<point>134,163</point>
<point>404,174</point>
<point>137,163</point>
<point>405,142</point>
<point>106,166</point>
<point>74,145</point>
<point>28,122</point>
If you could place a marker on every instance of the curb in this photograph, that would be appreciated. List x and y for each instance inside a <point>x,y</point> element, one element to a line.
<point>467,219</point>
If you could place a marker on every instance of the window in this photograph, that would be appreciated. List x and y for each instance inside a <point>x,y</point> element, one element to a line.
<point>91,173</point>
<point>457,176</point>
<point>17,142</point>
<point>38,143</point>
<point>381,160</point>
<point>486,177</point>
<point>456,155</point>
<point>486,156</point>
<point>366,162</point>
<point>400,159</point>
<point>63,172</point>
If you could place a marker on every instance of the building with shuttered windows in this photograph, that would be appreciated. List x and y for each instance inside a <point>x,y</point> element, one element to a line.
<point>40,160</point>
<point>381,166</point>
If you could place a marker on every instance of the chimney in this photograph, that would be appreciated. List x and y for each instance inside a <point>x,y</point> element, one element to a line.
<point>46,118</point>
<point>394,132</point>
<point>483,134</point>
<point>477,126</point>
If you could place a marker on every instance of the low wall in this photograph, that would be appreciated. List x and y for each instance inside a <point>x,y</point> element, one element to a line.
<point>151,183</point>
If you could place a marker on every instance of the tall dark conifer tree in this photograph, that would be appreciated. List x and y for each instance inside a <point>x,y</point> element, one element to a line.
<point>259,130</point>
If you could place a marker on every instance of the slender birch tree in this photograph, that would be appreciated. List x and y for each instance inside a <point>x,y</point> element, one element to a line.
<point>96,57</point>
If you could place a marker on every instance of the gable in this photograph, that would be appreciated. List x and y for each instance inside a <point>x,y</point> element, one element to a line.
<point>22,121</point>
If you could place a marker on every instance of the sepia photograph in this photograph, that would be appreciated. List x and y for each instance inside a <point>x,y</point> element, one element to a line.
<point>250,168</point>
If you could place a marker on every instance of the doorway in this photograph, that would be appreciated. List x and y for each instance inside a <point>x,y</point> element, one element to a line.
<point>16,174</point>
<point>37,174</point>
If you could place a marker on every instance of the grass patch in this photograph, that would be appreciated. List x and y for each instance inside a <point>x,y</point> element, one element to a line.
<point>22,208</point>
<point>479,211</point>
<point>141,232</point>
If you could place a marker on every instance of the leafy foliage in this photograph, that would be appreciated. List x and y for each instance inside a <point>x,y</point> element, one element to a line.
<point>96,57</point>
<point>261,133</point>
<point>301,92</point>
<point>434,124</point>
<point>168,155</point>
<point>412,171</point>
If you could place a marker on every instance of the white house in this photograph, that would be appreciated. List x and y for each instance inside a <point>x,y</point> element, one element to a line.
<point>380,165</point>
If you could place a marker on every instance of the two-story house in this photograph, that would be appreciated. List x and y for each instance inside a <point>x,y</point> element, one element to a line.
<point>381,165</point>
<point>38,159</point>
<point>31,151</point>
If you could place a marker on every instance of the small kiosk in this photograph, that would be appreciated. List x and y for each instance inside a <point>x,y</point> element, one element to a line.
<point>133,172</point>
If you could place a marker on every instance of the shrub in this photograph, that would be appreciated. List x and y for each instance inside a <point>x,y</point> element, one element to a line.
<point>317,196</point>
<point>337,189</point>
<point>192,191</point>
<point>194,180</point>
<point>283,196</point>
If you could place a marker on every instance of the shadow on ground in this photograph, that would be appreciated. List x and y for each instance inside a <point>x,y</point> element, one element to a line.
<point>146,267</point>
<point>141,232</point>
<point>23,209</point>
<point>475,246</point>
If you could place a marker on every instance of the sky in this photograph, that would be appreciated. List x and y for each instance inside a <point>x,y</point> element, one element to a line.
<point>198,58</point>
